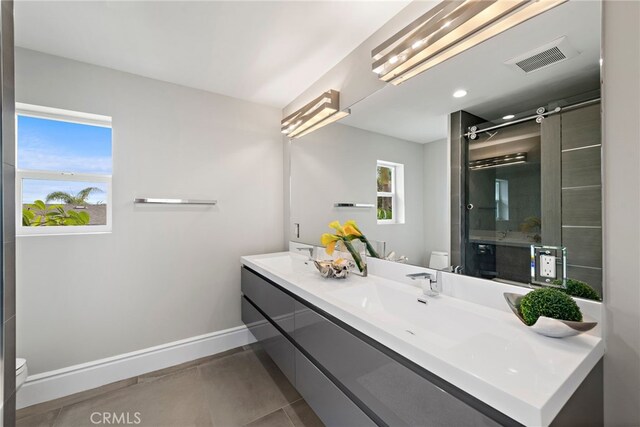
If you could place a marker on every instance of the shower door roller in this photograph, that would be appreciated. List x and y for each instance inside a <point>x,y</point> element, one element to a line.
<point>469,206</point>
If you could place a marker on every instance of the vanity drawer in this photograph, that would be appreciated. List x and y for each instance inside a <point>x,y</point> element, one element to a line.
<point>332,406</point>
<point>275,303</point>
<point>274,343</point>
<point>395,393</point>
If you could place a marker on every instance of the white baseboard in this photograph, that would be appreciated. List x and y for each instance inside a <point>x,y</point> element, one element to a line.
<point>63,382</point>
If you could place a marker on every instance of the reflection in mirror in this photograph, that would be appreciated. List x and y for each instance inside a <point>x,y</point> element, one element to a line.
<point>428,185</point>
<point>503,200</point>
<point>344,164</point>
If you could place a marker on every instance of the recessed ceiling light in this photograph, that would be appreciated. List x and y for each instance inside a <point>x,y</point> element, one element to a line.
<point>393,60</point>
<point>508,117</point>
<point>459,93</point>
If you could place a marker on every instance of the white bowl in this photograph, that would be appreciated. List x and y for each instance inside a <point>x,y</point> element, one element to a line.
<point>548,326</point>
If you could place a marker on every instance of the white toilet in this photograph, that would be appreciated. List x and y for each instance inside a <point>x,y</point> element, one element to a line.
<point>439,260</point>
<point>21,372</point>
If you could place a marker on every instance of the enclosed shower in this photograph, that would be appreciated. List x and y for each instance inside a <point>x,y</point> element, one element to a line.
<point>533,179</point>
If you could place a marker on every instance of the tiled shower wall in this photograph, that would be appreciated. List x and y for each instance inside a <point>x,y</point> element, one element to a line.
<point>8,276</point>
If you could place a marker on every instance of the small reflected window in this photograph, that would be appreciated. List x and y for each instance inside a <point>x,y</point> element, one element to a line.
<point>390,193</point>
<point>502,200</point>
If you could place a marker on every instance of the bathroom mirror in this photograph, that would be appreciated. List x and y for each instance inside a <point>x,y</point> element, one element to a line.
<point>407,167</point>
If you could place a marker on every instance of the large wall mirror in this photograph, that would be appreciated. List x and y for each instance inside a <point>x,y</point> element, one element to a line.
<point>477,158</point>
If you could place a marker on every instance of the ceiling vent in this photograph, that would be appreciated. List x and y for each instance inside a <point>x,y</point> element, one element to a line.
<point>544,56</point>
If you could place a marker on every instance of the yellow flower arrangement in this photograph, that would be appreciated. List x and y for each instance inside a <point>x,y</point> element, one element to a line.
<point>345,234</point>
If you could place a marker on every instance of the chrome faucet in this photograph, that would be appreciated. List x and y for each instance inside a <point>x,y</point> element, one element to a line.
<point>431,283</point>
<point>457,269</point>
<point>310,250</point>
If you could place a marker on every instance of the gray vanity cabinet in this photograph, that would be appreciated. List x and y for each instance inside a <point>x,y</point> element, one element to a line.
<point>277,346</point>
<point>396,395</point>
<point>347,378</point>
<point>331,405</point>
<point>277,305</point>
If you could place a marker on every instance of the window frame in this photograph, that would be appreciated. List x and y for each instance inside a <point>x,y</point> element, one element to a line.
<point>392,194</point>
<point>502,203</point>
<point>397,193</point>
<point>76,117</point>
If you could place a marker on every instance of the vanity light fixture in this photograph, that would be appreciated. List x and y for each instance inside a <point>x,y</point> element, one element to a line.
<point>333,118</point>
<point>449,29</point>
<point>320,112</point>
<point>499,161</point>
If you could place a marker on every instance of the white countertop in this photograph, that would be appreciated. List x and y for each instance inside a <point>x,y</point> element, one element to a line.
<point>482,350</point>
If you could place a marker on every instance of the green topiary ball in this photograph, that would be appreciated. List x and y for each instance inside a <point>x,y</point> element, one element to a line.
<point>579,289</point>
<point>548,302</point>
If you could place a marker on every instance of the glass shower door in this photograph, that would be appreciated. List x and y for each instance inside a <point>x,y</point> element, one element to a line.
<point>503,203</point>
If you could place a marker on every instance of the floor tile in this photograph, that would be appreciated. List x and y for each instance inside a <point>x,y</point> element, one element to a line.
<point>151,376</point>
<point>274,419</point>
<point>244,387</point>
<point>73,398</point>
<point>173,400</point>
<point>302,415</point>
<point>45,419</point>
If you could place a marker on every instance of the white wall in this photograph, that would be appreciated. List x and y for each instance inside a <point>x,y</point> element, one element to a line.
<point>353,76</point>
<point>437,218</point>
<point>621,164</point>
<point>164,273</point>
<point>338,164</point>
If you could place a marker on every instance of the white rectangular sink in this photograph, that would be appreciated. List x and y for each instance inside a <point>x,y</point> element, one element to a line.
<point>399,303</point>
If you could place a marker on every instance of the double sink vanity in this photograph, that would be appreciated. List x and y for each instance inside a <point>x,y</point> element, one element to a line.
<point>365,350</point>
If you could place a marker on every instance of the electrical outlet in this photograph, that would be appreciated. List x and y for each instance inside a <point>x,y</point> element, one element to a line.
<point>548,266</point>
<point>548,263</point>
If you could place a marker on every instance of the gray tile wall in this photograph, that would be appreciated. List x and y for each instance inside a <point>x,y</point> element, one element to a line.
<point>582,193</point>
<point>551,180</point>
<point>8,276</point>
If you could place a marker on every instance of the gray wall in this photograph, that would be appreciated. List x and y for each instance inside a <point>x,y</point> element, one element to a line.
<point>8,271</point>
<point>621,164</point>
<point>338,164</point>
<point>164,273</point>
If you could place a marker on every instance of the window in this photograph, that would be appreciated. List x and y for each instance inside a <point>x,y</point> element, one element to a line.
<point>63,175</point>
<point>390,193</point>
<point>502,200</point>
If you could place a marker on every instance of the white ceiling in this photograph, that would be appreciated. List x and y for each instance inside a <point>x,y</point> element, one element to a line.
<point>266,52</point>
<point>417,110</point>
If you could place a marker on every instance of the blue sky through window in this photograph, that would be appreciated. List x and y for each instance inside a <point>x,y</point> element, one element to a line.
<point>37,189</point>
<point>52,145</point>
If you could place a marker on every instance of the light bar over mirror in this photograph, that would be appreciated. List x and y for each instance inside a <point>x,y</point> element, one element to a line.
<point>447,30</point>
<point>499,161</point>
<point>320,112</point>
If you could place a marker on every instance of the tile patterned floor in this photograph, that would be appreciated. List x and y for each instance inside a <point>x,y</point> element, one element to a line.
<point>241,387</point>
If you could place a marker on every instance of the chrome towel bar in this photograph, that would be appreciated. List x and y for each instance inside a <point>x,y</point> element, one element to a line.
<point>352,205</point>
<point>176,201</point>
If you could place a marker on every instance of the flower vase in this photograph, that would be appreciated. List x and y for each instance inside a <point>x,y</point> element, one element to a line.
<point>356,251</point>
